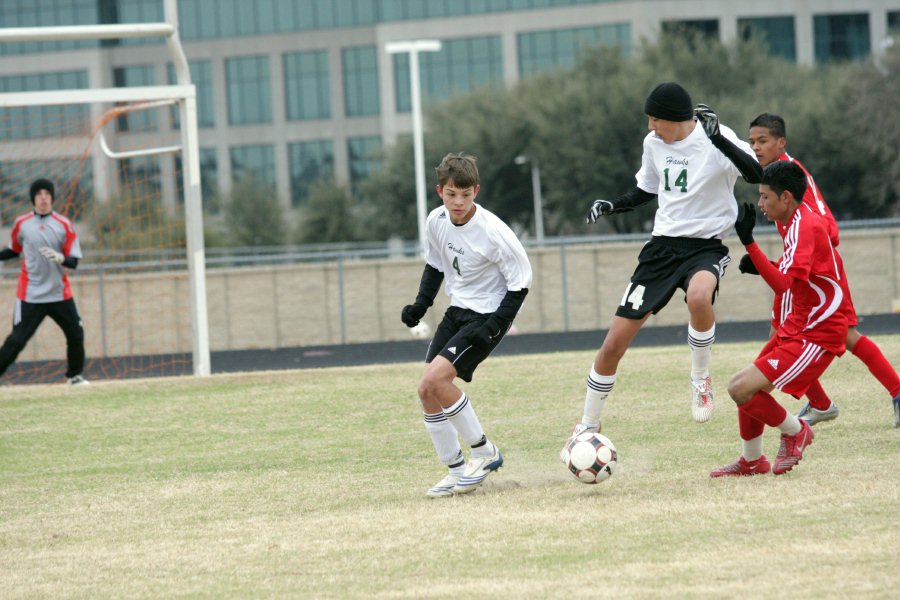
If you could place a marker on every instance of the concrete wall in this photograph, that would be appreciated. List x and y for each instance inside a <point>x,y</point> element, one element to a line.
<point>301,305</point>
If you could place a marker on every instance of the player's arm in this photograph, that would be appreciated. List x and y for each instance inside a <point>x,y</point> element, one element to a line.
<point>772,275</point>
<point>501,319</point>
<point>748,166</point>
<point>428,289</point>
<point>8,253</point>
<point>626,202</point>
<point>59,258</point>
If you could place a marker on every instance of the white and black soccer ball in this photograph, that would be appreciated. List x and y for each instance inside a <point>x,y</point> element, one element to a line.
<point>591,457</point>
<point>422,331</point>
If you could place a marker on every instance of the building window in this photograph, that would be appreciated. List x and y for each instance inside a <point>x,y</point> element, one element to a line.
<point>307,85</point>
<point>460,66</point>
<point>360,66</point>
<point>543,50</point>
<point>253,163</point>
<point>138,120</point>
<point>249,95</point>
<point>201,77</point>
<point>30,13</point>
<point>309,162</point>
<point>28,122</point>
<point>777,32</point>
<point>893,21</point>
<point>139,177</point>
<point>363,153</point>
<point>704,27</point>
<point>841,37</point>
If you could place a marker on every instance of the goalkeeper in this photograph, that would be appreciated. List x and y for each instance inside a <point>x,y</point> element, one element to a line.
<point>487,275</point>
<point>690,165</point>
<point>47,242</point>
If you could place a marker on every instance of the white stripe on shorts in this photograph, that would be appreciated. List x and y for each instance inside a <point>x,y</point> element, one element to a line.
<point>810,354</point>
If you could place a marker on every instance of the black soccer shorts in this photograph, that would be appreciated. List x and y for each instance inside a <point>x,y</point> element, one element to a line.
<point>666,264</point>
<point>452,341</point>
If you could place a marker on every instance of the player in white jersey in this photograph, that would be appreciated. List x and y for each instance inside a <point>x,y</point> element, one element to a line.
<point>47,242</point>
<point>486,274</point>
<point>690,165</point>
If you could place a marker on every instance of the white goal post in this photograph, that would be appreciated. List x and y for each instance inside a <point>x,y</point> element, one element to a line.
<point>184,94</point>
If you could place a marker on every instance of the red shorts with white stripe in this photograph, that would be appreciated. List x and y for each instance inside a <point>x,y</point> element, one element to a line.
<point>792,364</point>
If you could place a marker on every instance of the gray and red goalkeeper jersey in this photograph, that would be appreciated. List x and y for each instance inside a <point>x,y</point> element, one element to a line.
<point>40,280</point>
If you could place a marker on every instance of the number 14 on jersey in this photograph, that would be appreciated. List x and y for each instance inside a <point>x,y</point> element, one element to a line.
<point>634,294</point>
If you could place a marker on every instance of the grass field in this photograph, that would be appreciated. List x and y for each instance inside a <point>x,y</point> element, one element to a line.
<point>310,484</point>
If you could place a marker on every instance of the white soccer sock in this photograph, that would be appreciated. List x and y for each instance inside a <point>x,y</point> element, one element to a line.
<point>445,439</point>
<point>701,350</point>
<point>463,417</point>
<point>752,449</point>
<point>598,390</point>
<point>790,425</point>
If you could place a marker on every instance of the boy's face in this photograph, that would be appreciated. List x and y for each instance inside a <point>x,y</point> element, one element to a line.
<point>43,202</point>
<point>670,131</point>
<point>773,206</point>
<point>766,146</point>
<point>459,202</point>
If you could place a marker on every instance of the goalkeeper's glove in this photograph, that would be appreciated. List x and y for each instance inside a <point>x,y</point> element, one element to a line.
<point>412,314</point>
<point>746,266</point>
<point>52,255</point>
<point>745,223</point>
<point>599,208</point>
<point>708,119</point>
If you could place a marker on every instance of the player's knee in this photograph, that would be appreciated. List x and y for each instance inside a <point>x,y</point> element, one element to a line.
<point>738,390</point>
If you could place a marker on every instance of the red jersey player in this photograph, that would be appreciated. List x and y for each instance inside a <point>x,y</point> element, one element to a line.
<point>810,336</point>
<point>768,139</point>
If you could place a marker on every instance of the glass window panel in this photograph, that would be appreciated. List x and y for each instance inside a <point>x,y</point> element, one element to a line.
<point>307,85</point>
<point>249,93</point>
<point>841,37</point>
<point>363,153</point>
<point>309,162</point>
<point>361,96</point>
<point>209,179</point>
<point>253,163</point>
<point>201,77</point>
<point>779,34</point>
<point>136,76</point>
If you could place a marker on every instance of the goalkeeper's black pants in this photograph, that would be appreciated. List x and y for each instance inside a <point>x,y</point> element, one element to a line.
<point>26,319</point>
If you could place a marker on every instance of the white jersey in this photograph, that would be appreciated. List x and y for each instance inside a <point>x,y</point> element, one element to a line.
<point>694,183</point>
<point>480,260</point>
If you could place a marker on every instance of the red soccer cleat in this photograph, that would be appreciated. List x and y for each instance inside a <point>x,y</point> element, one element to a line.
<point>760,466</point>
<point>792,447</point>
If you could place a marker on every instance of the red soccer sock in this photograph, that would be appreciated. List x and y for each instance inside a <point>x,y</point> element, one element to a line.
<point>749,426</point>
<point>817,397</point>
<point>867,351</point>
<point>763,407</point>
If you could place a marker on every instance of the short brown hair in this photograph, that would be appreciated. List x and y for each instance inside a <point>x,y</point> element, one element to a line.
<point>459,169</point>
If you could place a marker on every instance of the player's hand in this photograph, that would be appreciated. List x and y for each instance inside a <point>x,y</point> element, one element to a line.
<point>412,314</point>
<point>599,208</point>
<point>746,266</point>
<point>708,119</point>
<point>52,255</point>
<point>746,220</point>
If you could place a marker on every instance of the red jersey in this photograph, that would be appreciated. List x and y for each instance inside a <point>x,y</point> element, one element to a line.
<point>813,197</point>
<point>809,276</point>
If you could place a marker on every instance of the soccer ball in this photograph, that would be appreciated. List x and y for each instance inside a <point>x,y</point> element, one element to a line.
<point>421,331</point>
<point>591,457</point>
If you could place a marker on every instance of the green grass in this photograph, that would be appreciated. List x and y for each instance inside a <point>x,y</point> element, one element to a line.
<point>311,484</point>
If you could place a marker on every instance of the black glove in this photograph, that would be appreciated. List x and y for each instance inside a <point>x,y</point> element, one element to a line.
<point>746,266</point>
<point>599,208</point>
<point>745,222</point>
<point>412,314</point>
<point>708,119</point>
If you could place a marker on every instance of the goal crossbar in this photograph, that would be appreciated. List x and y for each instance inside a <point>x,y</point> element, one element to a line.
<point>86,32</point>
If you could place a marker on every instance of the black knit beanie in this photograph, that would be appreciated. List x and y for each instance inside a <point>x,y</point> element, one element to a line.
<point>669,101</point>
<point>41,184</point>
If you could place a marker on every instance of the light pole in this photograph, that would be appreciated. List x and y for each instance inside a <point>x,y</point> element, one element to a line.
<point>536,192</point>
<point>413,48</point>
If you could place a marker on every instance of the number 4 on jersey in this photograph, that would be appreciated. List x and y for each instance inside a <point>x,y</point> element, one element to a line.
<point>634,294</point>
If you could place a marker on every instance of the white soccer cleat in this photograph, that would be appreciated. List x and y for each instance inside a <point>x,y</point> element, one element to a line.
<point>443,488</point>
<point>702,403</point>
<point>576,431</point>
<point>78,380</point>
<point>477,470</point>
<point>814,415</point>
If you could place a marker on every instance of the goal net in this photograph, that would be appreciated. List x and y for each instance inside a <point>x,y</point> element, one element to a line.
<point>117,177</point>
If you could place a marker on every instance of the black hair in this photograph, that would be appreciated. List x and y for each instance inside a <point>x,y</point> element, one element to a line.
<point>785,176</point>
<point>774,123</point>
